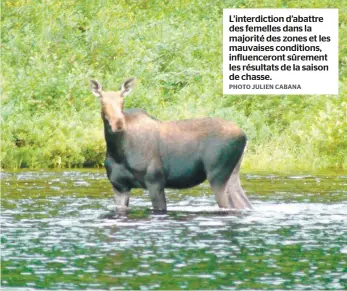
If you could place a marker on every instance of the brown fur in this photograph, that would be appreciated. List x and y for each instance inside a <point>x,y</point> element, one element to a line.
<point>147,153</point>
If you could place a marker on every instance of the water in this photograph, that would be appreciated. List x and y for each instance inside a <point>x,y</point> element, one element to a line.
<point>54,235</point>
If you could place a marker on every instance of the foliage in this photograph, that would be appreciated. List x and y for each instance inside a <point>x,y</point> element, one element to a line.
<point>50,49</point>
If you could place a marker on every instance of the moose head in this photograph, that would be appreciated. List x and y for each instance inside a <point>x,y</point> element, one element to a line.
<point>112,104</point>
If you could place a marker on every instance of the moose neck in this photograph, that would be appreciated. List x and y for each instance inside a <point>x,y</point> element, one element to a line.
<point>114,141</point>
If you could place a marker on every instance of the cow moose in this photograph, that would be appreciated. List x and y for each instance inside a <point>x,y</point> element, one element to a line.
<point>143,152</point>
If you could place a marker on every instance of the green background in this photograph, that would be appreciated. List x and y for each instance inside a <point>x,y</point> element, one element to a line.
<point>50,49</point>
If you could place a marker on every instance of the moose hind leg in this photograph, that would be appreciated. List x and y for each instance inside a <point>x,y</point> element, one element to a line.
<point>228,190</point>
<point>234,193</point>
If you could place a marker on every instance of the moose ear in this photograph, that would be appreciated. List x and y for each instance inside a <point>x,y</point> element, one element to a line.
<point>127,86</point>
<point>96,88</point>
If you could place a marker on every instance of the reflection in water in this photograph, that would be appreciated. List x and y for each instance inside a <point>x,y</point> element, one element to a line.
<point>54,236</point>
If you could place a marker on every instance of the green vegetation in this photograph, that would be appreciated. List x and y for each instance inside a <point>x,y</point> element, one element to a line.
<point>50,49</point>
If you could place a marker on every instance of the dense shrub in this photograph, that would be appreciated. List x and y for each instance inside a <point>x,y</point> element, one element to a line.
<point>50,49</point>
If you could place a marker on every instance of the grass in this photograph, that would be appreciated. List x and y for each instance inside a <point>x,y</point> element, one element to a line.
<point>50,49</point>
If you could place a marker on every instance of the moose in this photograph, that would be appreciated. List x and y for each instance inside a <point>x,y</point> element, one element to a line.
<point>143,152</point>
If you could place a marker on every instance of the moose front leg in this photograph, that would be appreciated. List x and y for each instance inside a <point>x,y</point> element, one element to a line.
<point>122,200</point>
<point>158,199</point>
<point>155,181</point>
<point>157,194</point>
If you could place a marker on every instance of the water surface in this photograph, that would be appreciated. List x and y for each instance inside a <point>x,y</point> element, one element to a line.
<point>54,235</point>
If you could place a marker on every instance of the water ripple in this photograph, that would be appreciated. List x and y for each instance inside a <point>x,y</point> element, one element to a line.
<point>53,236</point>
